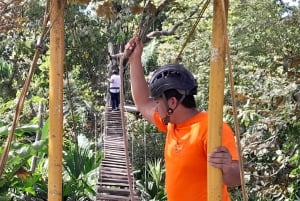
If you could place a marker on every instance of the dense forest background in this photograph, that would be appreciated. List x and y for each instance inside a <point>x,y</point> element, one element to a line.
<point>265,52</point>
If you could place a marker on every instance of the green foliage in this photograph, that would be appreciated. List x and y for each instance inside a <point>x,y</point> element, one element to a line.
<point>18,182</point>
<point>264,40</point>
<point>152,186</point>
<point>6,81</point>
<point>147,159</point>
<point>150,57</point>
<point>80,170</point>
<point>81,167</point>
<point>86,48</point>
<point>146,142</point>
<point>264,96</point>
<point>6,70</point>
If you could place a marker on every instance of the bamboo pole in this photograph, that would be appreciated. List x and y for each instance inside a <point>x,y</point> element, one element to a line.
<point>56,100</point>
<point>216,97</point>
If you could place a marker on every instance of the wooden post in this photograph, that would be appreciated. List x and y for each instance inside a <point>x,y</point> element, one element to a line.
<point>56,100</point>
<point>216,97</point>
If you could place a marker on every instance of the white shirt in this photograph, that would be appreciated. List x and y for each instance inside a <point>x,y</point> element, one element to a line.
<point>115,83</point>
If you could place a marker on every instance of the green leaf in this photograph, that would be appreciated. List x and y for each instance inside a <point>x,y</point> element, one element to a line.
<point>30,190</point>
<point>39,145</point>
<point>4,131</point>
<point>26,129</point>
<point>45,131</point>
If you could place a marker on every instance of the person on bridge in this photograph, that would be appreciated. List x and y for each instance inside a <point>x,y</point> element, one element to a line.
<point>168,102</point>
<point>114,89</point>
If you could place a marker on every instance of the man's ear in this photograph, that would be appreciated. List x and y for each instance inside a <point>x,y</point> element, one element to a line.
<point>172,102</point>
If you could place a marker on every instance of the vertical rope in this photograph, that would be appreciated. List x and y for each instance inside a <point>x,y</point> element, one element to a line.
<point>132,150</point>
<point>236,123</point>
<point>178,58</point>
<point>145,150</point>
<point>130,180</point>
<point>95,134</point>
<point>102,139</point>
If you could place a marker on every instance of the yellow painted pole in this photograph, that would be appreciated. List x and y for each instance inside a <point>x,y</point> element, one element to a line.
<point>56,100</point>
<point>216,97</point>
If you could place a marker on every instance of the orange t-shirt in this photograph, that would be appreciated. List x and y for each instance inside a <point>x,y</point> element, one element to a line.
<point>186,157</point>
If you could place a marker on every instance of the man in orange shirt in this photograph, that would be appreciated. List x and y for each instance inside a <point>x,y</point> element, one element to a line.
<point>168,102</point>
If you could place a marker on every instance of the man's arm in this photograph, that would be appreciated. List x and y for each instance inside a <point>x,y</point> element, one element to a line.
<point>139,86</point>
<point>221,158</point>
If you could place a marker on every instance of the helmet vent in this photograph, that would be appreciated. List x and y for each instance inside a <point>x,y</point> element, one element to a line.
<point>166,74</point>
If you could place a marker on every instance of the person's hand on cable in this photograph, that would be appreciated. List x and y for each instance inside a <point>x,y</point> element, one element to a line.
<point>135,47</point>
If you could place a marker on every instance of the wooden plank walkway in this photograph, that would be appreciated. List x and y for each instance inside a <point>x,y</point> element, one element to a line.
<point>113,182</point>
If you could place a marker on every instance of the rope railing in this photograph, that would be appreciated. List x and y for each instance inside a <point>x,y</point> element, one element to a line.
<point>122,99</point>
<point>178,58</point>
<point>235,119</point>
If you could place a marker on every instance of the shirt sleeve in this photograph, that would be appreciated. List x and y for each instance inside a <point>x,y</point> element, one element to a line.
<point>228,141</point>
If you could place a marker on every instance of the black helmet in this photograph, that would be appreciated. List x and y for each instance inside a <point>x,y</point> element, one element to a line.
<point>172,76</point>
<point>115,71</point>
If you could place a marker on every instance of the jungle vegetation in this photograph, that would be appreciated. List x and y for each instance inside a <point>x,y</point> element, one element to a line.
<point>265,56</point>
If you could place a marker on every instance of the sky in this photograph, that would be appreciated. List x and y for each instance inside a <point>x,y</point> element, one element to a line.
<point>292,2</point>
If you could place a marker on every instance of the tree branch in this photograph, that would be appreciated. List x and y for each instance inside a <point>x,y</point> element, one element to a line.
<point>157,34</point>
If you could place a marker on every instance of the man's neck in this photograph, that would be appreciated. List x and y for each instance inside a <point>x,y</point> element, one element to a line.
<point>181,114</point>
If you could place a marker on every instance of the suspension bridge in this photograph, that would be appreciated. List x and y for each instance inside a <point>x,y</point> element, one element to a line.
<point>116,181</point>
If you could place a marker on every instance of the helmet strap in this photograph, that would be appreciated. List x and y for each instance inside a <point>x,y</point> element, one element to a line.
<point>166,119</point>
<point>170,111</point>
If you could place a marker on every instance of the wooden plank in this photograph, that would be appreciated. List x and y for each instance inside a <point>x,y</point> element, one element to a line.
<point>114,147</point>
<point>118,170</point>
<point>114,142</point>
<point>122,165</point>
<point>119,184</point>
<point>113,160</point>
<point>114,139</point>
<point>114,152</point>
<point>113,173</point>
<point>107,176</point>
<point>114,179</point>
<point>114,191</point>
<point>113,157</point>
<point>112,198</point>
<point>114,165</point>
